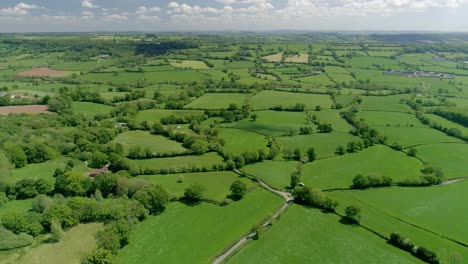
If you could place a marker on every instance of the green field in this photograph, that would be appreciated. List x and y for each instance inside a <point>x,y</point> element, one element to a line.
<point>91,109</point>
<point>423,207</point>
<point>218,225</point>
<point>322,240</point>
<point>44,170</point>
<point>76,243</point>
<point>449,157</point>
<point>154,115</point>
<point>266,99</point>
<point>158,144</point>
<point>395,119</point>
<point>271,123</point>
<point>415,136</point>
<point>324,144</point>
<point>377,160</point>
<point>238,141</point>
<point>275,173</point>
<point>177,163</point>
<point>385,224</point>
<point>216,183</point>
<point>218,101</point>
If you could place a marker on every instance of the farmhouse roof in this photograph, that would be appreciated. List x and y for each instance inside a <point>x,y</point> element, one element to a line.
<point>95,172</point>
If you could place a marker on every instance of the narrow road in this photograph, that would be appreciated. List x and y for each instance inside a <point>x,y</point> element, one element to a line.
<point>452,181</point>
<point>244,240</point>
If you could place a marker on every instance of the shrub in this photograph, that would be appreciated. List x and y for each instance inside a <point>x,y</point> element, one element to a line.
<point>9,240</point>
<point>194,193</point>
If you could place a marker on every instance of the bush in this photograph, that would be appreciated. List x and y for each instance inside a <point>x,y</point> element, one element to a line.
<point>99,256</point>
<point>313,197</point>
<point>194,193</point>
<point>152,197</point>
<point>9,240</point>
<point>363,182</point>
<point>352,214</point>
<point>238,190</point>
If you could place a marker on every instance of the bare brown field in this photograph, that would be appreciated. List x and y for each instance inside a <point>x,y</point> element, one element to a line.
<point>28,109</point>
<point>42,72</point>
<point>301,58</point>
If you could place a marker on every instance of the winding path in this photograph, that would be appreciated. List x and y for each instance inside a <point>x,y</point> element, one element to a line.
<point>244,240</point>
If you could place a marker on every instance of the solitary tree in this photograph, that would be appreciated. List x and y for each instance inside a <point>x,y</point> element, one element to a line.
<point>412,152</point>
<point>238,189</point>
<point>253,117</point>
<point>311,154</point>
<point>295,179</point>
<point>195,192</point>
<point>55,231</point>
<point>352,214</point>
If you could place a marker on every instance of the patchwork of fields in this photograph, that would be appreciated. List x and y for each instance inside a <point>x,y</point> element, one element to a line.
<point>142,153</point>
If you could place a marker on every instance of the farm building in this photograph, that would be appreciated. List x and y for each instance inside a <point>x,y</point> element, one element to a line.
<point>96,172</point>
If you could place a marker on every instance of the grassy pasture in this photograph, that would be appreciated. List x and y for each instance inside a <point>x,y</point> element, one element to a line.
<point>396,119</point>
<point>338,172</point>
<point>238,141</point>
<point>116,78</point>
<point>90,109</point>
<point>414,136</point>
<point>71,249</point>
<point>275,173</point>
<point>157,143</point>
<point>216,183</point>
<point>154,115</point>
<point>446,123</point>
<point>206,160</point>
<point>424,207</point>
<point>266,99</point>
<point>218,225</point>
<point>44,170</point>
<point>272,123</point>
<point>373,62</point>
<point>318,238</point>
<point>176,76</point>
<point>217,101</point>
<point>379,220</point>
<point>75,66</point>
<point>450,157</point>
<point>369,105</point>
<point>320,80</point>
<point>333,117</point>
<point>341,78</point>
<point>324,144</point>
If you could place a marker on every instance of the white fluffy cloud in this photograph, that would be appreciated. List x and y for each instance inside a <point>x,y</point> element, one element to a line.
<point>145,10</point>
<point>190,10</point>
<point>116,18</point>
<point>88,4</point>
<point>20,9</point>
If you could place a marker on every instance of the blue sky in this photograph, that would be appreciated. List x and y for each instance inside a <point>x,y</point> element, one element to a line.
<point>160,15</point>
